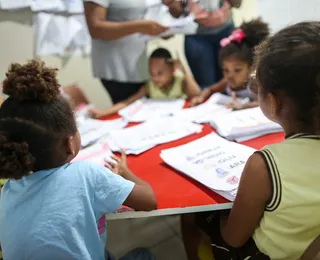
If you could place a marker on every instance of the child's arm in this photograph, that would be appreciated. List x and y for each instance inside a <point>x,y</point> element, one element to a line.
<point>207,92</point>
<point>98,113</point>
<point>191,87</point>
<point>253,194</point>
<point>142,196</point>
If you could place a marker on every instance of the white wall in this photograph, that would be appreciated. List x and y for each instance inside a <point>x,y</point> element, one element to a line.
<point>16,45</point>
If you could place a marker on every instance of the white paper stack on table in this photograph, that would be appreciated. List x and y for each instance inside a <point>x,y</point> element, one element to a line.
<point>143,137</point>
<point>212,161</point>
<point>206,112</point>
<point>145,109</point>
<point>244,125</point>
<point>92,130</point>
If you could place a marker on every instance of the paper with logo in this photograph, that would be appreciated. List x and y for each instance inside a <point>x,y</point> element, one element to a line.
<point>211,160</point>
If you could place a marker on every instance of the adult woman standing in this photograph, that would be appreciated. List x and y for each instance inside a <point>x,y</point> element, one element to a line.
<point>118,50</point>
<point>202,49</point>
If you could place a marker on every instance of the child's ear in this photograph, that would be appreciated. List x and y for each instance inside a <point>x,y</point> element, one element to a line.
<point>274,105</point>
<point>71,149</point>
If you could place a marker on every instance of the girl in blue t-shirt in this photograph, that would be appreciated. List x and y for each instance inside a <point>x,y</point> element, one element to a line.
<point>50,208</point>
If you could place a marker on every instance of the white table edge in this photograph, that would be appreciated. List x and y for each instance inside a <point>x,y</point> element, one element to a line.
<point>167,212</point>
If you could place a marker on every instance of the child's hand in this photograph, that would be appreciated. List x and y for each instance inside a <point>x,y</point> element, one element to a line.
<point>235,105</point>
<point>119,165</point>
<point>96,113</point>
<point>196,101</point>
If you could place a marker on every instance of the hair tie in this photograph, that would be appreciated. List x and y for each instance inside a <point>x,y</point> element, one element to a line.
<point>236,36</point>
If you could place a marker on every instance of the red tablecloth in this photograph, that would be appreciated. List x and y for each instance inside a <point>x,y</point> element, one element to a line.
<point>175,190</point>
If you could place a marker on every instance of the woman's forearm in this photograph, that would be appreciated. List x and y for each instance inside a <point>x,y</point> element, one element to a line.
<point>106,30</point>
<point>218,87</point>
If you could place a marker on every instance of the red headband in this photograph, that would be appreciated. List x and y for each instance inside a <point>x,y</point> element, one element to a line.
<point>237,36</point>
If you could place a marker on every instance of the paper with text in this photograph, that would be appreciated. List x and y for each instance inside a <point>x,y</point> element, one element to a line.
<point>244,123</point>
<point>151,133</point>
<point>92,130</point>
<point>211,160</point>
<point>145,109</point>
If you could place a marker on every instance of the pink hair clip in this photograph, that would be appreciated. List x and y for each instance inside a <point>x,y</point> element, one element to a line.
<point>236,36</point>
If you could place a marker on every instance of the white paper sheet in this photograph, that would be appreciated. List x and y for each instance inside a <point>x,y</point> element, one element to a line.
<point>145,109</point>
<point>96,153</point>
<point>80,43</point>
<point>160,13</point>
<point>151,133</point>
<point>203,113</point>
<point>57,34</point>
<point>223,100</point>
<point>92,130</point>
<point>243,124</point>
<point>14,4</point>
<point>211,160</point>
<point>47,5</point>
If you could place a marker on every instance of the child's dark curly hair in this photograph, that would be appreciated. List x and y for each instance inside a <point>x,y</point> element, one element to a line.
<point>34,121</point>
<point>288,63</point>
<point>255,32</point>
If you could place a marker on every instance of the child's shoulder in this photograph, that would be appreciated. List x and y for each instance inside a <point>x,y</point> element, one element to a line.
<point>86,166</point>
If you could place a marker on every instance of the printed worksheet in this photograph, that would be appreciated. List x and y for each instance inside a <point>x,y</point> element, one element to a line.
<point>91,130</point>
<point>203,113</point>
<point>145,109</point>
<point>151,133</point>
<point>211,160</point>
<point>244,124</point>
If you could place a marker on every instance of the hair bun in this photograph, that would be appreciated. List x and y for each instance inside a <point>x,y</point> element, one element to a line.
<point>15,158</point>
<point>32,81</point>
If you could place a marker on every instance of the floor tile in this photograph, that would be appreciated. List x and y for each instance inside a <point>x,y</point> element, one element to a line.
<point>125,235</point>
<point>171,249</point>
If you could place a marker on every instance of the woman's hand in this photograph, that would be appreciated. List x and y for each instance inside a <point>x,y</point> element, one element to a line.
<point>151,28</point>
<point>211,19</point>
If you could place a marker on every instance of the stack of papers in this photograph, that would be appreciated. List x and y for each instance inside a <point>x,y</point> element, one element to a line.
<point>206,112</point>
<point>143,137</point>
<point>91,130</point>
<point>223,100</point>
<point>97,153</point>
<point>145,109</point>
<point>212,161</point>
<point>244,125</point>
